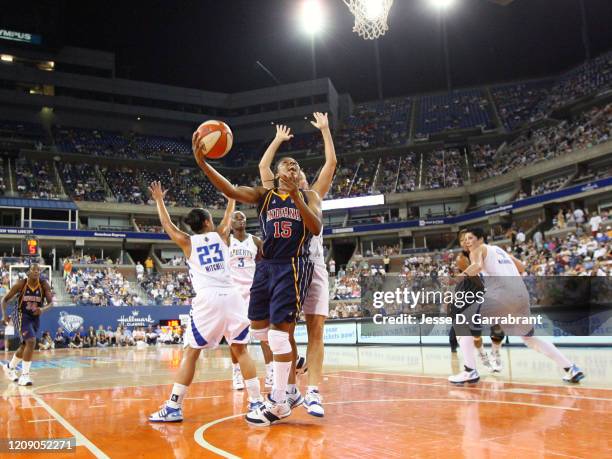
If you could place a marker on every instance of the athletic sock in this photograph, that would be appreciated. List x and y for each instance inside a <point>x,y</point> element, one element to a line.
<point>313,388</point>
<point>14,362</point>
<point>269,368</point>
<point>236,367</point>
<point>177,396</point>
<point>253,389</point>
<point>25,367</point>
<point>466,343</point>
<point>495,346</point>
<point>291,389</point>
<point>279,388</point>
<point>548,349</point>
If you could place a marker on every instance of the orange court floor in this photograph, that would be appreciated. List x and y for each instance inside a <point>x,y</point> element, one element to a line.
<point>379,402</point>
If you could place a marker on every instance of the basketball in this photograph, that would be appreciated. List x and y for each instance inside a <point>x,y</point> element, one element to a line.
<point>216,139</point>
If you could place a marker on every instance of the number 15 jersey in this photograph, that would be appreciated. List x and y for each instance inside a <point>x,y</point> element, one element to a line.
<point>209,262</point>
<point>284,234</point>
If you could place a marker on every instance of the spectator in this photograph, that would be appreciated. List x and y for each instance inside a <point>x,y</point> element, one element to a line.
<point>595,222</point>
<point>149,265</point>
<point>139,271</point>
<point>61,341</point>
<point>46,342</point>
<point>332,267</point>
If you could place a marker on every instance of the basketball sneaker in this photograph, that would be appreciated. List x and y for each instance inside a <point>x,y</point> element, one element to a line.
<point>573,374</point>
<point>312,403</point>
<point>496,361</point>
<point>268,414</point>
<point>294,399</point>
<point>167,414</point>
<point>11,373</point>
<point>255,403</point>
<point>464,377</point>
<point>484,358</point>
<point>24,380</point>
<point>269,381</point>
<point>237,380</point>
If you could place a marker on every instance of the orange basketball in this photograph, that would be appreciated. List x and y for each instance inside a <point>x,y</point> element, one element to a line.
<point>216,139</point>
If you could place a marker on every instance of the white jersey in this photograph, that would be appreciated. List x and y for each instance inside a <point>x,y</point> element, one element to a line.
<point>242,260</point>
<point>209,263</point>
<point>498,263</point>
<point>316,249</point>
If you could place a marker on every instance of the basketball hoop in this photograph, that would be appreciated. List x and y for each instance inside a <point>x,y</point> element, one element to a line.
<point>370,17</point>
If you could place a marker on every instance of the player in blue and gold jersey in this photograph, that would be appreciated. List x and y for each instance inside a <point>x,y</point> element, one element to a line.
<point>288,217</point>
<point>33,292</point>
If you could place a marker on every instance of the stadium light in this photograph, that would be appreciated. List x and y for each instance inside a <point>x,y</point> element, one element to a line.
<point>311,17</point>
<point>442,4</point>
<point>6,58</point>
<point>373,9</point>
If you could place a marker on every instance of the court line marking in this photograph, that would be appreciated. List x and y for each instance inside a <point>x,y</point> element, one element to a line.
<point>478,388</point>
<point>198,435</point>
<point>207,396</point>
<point>43,420</point>
<point>68,398</point>
<point>574,387</point>
<point>80,438</point>
<point>97,406</point>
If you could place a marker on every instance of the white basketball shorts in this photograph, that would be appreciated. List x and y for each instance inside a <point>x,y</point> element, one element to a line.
<point>217,313</point>
<point>317,299</point>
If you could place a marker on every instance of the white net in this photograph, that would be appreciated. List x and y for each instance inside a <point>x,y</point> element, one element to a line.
<point>370,17</point>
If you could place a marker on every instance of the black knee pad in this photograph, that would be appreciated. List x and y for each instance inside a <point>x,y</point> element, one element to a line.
<point>497,334</point>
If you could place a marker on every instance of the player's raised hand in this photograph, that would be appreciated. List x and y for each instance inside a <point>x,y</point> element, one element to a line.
<point>195,146</point>
<point>283,133</point>
<point>289,183</point>
<point>157,192</point>
<point>320,120</point>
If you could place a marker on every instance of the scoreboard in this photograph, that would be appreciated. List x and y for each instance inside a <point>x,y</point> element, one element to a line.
<point>29,247</point>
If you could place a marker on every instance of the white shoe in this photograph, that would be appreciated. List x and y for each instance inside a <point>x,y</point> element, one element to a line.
<point>269,381</point>
<point>496,361</point>
<point>464,377</point>
<point>573,375</point>
<point>485,359</point>
<point>237,380</point>
<point>268,414</point>
<point>10,373</point>
<point>295,399</point>
<point>25,380</point>
<point>312,403</point>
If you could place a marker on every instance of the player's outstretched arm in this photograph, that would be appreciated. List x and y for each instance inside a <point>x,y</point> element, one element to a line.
<point>179,237</point>
<point>311,212</point>
<point>477,261</point>
<point>244,194</point>
<point>519,264</point>
<point>15,289</point>
<point>225,225</point>
<point>326,177</point>
<point>283,134</point>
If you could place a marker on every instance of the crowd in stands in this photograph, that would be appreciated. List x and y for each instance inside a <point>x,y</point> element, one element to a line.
<point>587,130</point>
<point>100,287</point>
<point>374,125</point>
<point>444,169</point>
<point>82,182</point>
<point>121,336</point>
<point>459,109</point>
<point>36,179</point>
<point>547,186</point>
<point>581,81</point>
<point>520,103</point>
<point>169,289</point>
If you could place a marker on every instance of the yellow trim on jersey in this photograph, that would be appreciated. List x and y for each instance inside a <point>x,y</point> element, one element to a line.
<point>304,231</point>
<point>295,284</point>
<point>266,202</point>
<point>282,196</point>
